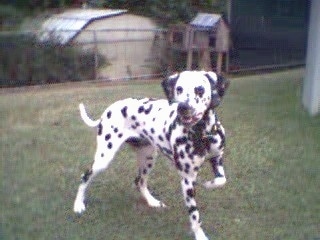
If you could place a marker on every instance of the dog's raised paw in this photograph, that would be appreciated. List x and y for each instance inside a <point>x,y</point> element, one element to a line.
<point>79,207</point>
<point>157,204</point>
<point>216,183</point>
<point>200,235</point>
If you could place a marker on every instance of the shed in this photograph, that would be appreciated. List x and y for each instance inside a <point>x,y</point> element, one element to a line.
<point>207,33</point>
<point>211,31</point>
<point>125,40</point>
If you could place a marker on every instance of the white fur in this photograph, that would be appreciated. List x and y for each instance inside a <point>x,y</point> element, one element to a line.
<point>159,123</point>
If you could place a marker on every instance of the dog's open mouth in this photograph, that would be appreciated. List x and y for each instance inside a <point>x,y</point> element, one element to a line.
<point>186,119</point>
<point>187,114</point>
<point>189,119</point>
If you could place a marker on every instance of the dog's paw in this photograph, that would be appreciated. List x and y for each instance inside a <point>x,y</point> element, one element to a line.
<point>215,183</point>
<point>200,235</point>
<point>79,207</point>
<point>156,204</point>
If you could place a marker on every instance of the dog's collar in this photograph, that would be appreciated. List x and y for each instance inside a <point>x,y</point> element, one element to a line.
<point>214,130</point>
<point>195,133</point>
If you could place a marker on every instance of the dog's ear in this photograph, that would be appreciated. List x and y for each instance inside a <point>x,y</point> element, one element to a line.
<point>168,86</point>
<point>219,85</point>
<point>223,84</point>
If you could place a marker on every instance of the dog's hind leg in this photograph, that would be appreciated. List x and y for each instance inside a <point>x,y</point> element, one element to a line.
<point>103,156</point>
<point>146,159</point>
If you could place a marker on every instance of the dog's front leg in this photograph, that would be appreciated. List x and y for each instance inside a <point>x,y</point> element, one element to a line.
<point>188,190</point>
<point>218,171</point>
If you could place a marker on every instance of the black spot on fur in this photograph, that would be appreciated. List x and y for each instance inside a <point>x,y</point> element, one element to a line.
<point>188,146</point>
<point>165,151</point>
<point>109,114</point>
<point>179,90</point>
<point>181,154</point>
<point>115,130</point>
<point>137,142</point>
<point>147,111</point>
<point>192,209</point>
<point>178,165</point>
<point>213,140</point>
<point>140,109</point>
<point>109,145</point>
<point>176,160</point>
<point>145,132</point>
<point>152,130</point>
<point>120,135</point>
<point>186,181</point>
<point>86,175</point>
<point>181,140</point>
<point>100,128</point>
<point>199,91</point>
<point>124,111</point>
<point>191,193</point>
<point>223,139</point>
<point>133,117</point>
<point>171,114</point>
<point>171,128</point>
<point>160,138</point>
<point>136,180</point>
<point>107,137</point>
<point>187,166</point>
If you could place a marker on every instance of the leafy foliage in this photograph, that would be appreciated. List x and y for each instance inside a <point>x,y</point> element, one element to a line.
<point>25,61</point>
<point>9,16</point>
<point>167,12</point>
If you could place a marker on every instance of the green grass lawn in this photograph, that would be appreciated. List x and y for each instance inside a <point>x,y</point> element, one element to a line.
<point>272,165</point>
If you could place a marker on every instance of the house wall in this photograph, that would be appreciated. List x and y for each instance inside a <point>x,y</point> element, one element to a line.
<point>126,41</point>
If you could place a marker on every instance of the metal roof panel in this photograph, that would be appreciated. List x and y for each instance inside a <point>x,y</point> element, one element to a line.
<point>205,20</point>
<point>63,27</point>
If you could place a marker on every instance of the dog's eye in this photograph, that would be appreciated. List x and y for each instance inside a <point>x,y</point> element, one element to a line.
<point>199,91</point>
<point>179,90</point>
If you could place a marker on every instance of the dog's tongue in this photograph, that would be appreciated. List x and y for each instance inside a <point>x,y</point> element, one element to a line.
<point>186,119</point>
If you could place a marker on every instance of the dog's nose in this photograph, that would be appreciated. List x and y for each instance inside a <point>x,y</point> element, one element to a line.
<point>185,109</point>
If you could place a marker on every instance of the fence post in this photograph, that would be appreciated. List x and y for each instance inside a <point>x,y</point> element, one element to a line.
<point>311,85</point>
<point>96,63</point>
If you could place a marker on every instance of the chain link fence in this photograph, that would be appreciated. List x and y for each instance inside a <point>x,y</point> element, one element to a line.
<point>103,55</point>
<point>123,54</point>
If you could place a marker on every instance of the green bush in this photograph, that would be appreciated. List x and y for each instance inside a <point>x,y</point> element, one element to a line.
<point>10,17</point>
<point>25,61</point>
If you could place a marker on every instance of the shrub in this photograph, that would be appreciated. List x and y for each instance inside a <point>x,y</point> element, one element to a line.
<point>25,61</point>
<point>10,17</point>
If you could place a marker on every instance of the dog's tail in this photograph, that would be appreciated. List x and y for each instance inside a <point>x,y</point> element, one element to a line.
<point>86,118</point>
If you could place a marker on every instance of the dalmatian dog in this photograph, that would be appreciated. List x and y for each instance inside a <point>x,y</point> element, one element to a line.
<point>184,127</point>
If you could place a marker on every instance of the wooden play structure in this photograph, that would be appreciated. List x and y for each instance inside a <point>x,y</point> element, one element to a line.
<point>205,34</point>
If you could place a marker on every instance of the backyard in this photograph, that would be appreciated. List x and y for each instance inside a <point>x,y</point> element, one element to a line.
<point>272,166</point>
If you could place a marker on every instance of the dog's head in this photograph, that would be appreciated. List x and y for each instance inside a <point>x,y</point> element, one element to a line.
<point>195,92</point>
